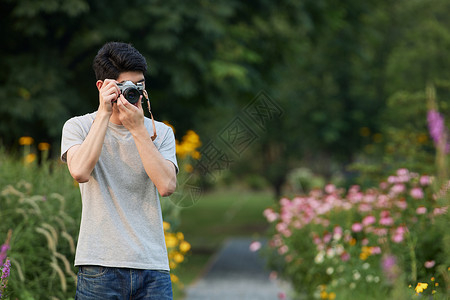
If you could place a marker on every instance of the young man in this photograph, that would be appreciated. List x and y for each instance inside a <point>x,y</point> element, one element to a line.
<point>121,252</point>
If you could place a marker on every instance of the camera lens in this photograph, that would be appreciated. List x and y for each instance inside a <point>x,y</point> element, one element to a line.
<point>132,95</point>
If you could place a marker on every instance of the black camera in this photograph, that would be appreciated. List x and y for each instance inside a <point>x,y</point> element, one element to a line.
<point>130,91</point>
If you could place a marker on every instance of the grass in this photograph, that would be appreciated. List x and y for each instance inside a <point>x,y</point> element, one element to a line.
<point>217,216</point>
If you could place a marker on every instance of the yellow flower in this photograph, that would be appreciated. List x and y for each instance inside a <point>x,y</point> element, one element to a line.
<point>26,140</point>
<point>180,236</point>
<point>171,240</point>
<point>178,257</point>
<point>196,155</point>
<point>174,278</point>
<point>332,296</point>
<point>30,158</point>
<point>323,295</point>
<point>365,252</point>
<point>189,144</point>
<point>421,287</point>
<point>166,225</point>
<point>185,246</point>
<point>189,168</point>
<point>172,265</point>
<point>44,146</point>
<point>352,242</point>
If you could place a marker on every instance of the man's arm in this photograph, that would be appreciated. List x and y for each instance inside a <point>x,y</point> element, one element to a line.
<point>162,172</point>
<point>81,159</point>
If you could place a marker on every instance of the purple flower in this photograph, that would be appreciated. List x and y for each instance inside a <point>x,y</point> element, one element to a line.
<point>436,127</point>
<point>6,269</point>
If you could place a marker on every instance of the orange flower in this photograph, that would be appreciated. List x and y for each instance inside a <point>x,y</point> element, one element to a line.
<point>26,140</point>
<point>44,146</point>
<point>30,158</point>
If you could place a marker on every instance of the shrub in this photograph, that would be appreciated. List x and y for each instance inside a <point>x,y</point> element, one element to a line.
<point>337,244</point>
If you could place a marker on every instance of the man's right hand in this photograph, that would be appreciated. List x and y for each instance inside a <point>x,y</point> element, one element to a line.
<point>108,92</point>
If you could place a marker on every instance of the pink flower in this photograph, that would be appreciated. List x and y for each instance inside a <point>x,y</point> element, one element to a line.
<point>345,256</point>
<point>364,207</point>
<point>255,246</point>
<point>380,231</point>
<point>429,264</point>
<point>383,185</point>
<point>357,227</point>
<point>440,210</point>
<point>416,193</point>
<point>421,210</point>
<point>330,188</point>
<point>398,188</point>
<point>375,250</point>
<point>388,221</point>
<point>399,234</point>
<point>337,230</point>
<point>402,204</point>
<point>327,238</point>
<point>369,220</point>
<point>283,249</point>
<point>392,179</point>
<point>425,180</point>
<point>270,215</point>
<point>397,238</point>
<point>281,295</point>
<point>402,172</point>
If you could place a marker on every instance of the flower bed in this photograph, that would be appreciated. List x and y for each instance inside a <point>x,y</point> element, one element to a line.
<point>337,244</point>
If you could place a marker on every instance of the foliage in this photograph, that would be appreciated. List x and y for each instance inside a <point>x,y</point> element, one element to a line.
<point>359,244</point>
<point>5,265</point>
<point>332,67</point>
<point>40,203</point>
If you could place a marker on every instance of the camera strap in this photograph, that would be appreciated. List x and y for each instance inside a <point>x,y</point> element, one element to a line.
<point>151,115</point>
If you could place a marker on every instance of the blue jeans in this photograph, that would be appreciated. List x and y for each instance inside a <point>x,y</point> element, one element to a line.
<point>96,282</point>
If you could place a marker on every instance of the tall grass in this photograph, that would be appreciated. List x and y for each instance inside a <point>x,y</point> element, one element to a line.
<point>41,204</point>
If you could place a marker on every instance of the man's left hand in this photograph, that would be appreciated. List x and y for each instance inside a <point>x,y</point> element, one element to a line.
<point>131,116</point>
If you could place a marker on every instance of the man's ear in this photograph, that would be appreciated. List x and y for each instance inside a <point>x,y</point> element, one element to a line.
<point>99,84</point>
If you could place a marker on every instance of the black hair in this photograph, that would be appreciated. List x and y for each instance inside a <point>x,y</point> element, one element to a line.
<point>115,58</point>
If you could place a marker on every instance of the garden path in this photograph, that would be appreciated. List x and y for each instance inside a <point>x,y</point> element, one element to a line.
<point>235,272</point>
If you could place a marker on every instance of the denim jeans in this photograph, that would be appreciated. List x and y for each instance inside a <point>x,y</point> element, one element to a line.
<point>96,282</point>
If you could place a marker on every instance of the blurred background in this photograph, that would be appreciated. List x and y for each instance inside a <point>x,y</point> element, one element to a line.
<point>341,90</point>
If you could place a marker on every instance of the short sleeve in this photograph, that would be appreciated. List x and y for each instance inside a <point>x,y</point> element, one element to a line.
<point>72,135</point>
<point>168,147</point>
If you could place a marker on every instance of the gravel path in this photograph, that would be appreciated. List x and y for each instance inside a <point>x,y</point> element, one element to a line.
<point>236,273</point>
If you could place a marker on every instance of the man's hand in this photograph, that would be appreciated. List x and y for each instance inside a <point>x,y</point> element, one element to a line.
<point>131,116</point>
<point>108,92</point>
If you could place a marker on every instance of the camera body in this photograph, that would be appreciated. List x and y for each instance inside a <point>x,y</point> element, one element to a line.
<point>132,92</point>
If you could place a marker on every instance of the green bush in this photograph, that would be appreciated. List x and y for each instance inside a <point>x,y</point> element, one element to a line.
<point>41,205</point>
<point>372,244</point>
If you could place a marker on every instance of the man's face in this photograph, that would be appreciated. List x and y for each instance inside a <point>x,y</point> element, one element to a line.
<point>133,76</point>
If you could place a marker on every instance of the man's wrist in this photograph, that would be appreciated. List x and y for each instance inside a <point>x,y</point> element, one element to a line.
<point>101,114</point>
<point>140,131</point>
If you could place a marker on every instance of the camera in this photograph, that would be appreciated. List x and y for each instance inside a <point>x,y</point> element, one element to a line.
<point>130,91</point>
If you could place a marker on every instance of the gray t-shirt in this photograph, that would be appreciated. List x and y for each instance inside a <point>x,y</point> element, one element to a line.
<point>121,222</point>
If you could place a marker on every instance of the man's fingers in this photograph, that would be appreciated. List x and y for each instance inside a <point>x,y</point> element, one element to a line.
<point>139,103</point>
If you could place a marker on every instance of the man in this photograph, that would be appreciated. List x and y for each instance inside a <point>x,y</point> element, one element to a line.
<point>121,252</point>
